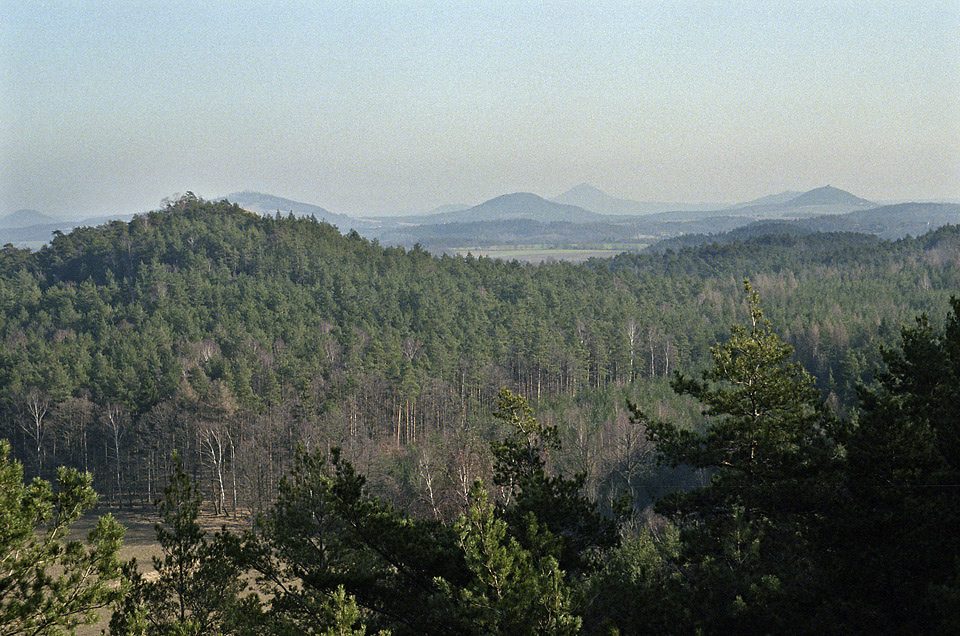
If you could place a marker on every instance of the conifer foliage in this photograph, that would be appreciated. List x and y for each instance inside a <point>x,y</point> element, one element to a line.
<point>896,539</point>
<point>769,453</point>
<point>50,585</point>
<point>511,590</point>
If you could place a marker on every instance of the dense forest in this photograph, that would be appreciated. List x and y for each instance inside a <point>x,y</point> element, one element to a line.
<point>232,337</point>
<point>512,423</point>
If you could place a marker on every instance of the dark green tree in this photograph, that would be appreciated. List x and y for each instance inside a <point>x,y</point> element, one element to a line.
<point>895,550</point>
<point>511,592</point>
<point>768,451</point>
<point>341,616</point>
<point>636,590</point>
<point>327,533</point>
<point>50,585</point>
<point>549,514</point>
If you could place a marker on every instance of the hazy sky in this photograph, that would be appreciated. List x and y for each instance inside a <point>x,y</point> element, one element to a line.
<point>374,107</point>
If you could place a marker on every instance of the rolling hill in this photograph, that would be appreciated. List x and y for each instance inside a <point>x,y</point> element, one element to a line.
<point>32,229</point>
<point>770,199</point>
<point>595,200</point>
<point>792,205</point>
<point>26,218</point>
<point>885,222</point>
<point>520,205</point>
<point>827,195</point>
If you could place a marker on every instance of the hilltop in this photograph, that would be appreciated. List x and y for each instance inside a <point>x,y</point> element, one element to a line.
<point>26,218</point>
<point>593,199</point>
<point>768,200</point>
<point>519,205</point>
<point>827,195</point>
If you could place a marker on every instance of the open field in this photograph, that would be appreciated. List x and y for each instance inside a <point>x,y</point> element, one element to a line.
<point>140,541</point>
<point>547,254</point>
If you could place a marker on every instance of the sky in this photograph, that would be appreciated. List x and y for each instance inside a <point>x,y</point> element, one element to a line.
<point>383,107</point>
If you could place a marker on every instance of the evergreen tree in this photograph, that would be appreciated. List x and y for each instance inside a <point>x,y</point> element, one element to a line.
<point>50,585</point>
<point>512,592</point>
<point>747,549</point>
<point>326,533</point>
<point>548,513</point>
<point>637,589</point>
<point>341,616</point>
<point>895,552</point>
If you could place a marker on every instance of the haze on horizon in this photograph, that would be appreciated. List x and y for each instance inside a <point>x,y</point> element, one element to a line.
<point>371,108</point>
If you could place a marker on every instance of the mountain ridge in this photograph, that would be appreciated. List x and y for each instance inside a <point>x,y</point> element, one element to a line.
<point>770,199</point>
<point>27,218</point>
<point>827,195</point>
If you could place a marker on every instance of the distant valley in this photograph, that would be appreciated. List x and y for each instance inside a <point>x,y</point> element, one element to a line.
<point>585,222</point>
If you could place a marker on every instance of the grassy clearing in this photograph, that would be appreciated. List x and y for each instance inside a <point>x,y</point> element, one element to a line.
<point>140,542</point>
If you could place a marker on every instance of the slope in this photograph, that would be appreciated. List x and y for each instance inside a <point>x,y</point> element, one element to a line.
<point>520,205</point>
<point>595,200</point>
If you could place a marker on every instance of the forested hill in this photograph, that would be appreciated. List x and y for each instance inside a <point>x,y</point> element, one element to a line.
<point>886,222</point>
<point>232,337</point>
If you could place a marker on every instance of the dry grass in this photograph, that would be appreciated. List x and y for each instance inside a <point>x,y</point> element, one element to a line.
<point>140,541</point>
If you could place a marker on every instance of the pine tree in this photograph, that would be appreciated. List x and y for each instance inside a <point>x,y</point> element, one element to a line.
<point>895,551</point>
<point>326,533</point>
<point>768,448</point>
<point>569,526</point>
<point>50,585</point>
<point>511,592</point>
<point>341,616</point>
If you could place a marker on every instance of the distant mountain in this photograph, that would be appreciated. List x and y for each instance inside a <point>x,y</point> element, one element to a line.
<point>884,222</point>
<point>791,205</point>
<point>268,204</point>
<point>770,199</point>
<point>32,237</point>
<point>593,199</point>
<point>521,205</point>
<point>448,207</point>
<point>463,227</point>
<point>34,230</point>
<point>828,195</point>
<point>26,218</point>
